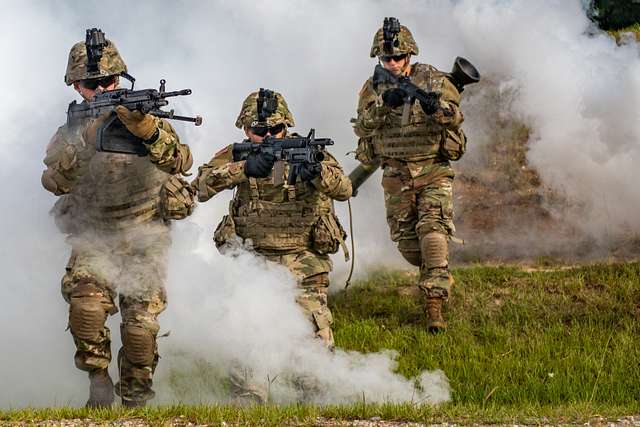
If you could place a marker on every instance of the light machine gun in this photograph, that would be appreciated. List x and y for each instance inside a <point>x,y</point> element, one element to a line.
<point>145,100</point>
<point>294,150</point>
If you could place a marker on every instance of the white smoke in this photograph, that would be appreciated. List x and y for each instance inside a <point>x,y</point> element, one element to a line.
<point>577,90</point>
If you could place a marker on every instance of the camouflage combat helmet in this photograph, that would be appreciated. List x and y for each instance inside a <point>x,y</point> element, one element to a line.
<point>110,64</point>
<point>399,42</point>
<point>264,108</point>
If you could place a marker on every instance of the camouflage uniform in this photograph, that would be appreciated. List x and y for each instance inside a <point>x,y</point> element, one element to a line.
<point>414,154</point>
<point>115,210</point>
<point>292,225</point>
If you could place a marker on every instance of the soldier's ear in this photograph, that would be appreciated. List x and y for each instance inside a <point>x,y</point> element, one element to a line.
<point>246,131</point>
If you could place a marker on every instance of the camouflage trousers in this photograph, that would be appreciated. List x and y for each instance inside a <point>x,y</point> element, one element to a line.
<point>129,265</point>
<point>419,201</point>
<point>312,273</point>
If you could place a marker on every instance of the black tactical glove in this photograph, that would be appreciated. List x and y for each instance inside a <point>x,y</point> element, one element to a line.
<point>259,165</point>
<point>394,97</point>
<point>431,104</point>
<point>309,171</point>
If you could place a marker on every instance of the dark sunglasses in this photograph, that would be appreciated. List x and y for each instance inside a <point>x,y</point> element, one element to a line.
<point>396,58</point>
<point>263,130</point>
<point>93,84</point>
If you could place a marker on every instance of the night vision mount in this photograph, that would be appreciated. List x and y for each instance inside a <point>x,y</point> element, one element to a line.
<point>267,104</point>
<point>390,31</point>
<point>95,43</point>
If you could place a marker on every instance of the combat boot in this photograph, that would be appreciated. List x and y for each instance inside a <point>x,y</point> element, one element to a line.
<point>134,403</point>
<point>100,389</point>
<point>435,322</point>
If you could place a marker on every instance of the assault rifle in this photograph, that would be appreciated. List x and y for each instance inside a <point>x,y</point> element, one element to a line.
<point>462,74</point>
<point>111,135</point>
<point>294,150</point>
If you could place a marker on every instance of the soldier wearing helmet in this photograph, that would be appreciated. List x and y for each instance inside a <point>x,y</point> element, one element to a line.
<point>115,209</point>
<point>293,225</point>
<point>414,143</point>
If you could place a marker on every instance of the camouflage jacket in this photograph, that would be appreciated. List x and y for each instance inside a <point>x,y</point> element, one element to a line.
<point>274,216</point>
<point>383,135</point>
<point>109,190</point>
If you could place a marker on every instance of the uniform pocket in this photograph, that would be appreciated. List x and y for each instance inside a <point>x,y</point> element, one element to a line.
<point>225,232</point>
<point>453,144</point>
<point>177,198</point>
<point>328,235</point>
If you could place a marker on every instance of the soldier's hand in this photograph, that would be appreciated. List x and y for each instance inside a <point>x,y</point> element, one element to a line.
<point>138,123</point>
<point>432,103</point>
<point>309,171</point>
<point>394,97</point>
<point>259,165</point>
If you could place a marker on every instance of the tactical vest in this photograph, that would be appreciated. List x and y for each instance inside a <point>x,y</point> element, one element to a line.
<point>416,139</point>
<point>116,191</point>
<point>277,218</point>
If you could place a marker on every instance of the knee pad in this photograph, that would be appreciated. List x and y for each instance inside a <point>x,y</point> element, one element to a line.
<point>410,250</point>
<point>87,311</point>
<point>139,344</point>
<point>435,250</point>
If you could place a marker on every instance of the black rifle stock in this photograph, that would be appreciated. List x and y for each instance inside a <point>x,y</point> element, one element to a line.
<point>293,150</point>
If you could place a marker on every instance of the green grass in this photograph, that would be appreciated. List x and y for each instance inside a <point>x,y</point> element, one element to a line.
<point>310,415</point>
<point>515,338</point>
<point>548,346</point>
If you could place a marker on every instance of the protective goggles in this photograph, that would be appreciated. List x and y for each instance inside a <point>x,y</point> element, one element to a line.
<point>264,130</point>
<point>93,84</point>
<point>396,58</point>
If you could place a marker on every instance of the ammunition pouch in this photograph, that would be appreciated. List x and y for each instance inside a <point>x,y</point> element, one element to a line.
<point>328,235</point>
<point>453,144</point>
<point>225,232</point>
<point>177,198</point>
<point>365,152</point>
<point>411,142</point>
<point>280,227</point>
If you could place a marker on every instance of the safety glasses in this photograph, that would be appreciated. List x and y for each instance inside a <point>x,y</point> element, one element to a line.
<point>264,130</point>
<point>93,84</point>
<point>396,58</point>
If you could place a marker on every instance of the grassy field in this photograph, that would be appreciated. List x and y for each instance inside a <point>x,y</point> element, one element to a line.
<point>543,345</point>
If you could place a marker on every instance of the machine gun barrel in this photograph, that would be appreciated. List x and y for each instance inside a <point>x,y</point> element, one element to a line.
<point>146,100</point>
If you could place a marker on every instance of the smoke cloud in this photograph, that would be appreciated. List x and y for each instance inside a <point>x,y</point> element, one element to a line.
<point>576,90</point>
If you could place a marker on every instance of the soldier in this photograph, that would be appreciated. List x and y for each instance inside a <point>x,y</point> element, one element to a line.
<point>115,209</point>
<point>413,142</point>
<point>293,225</point>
